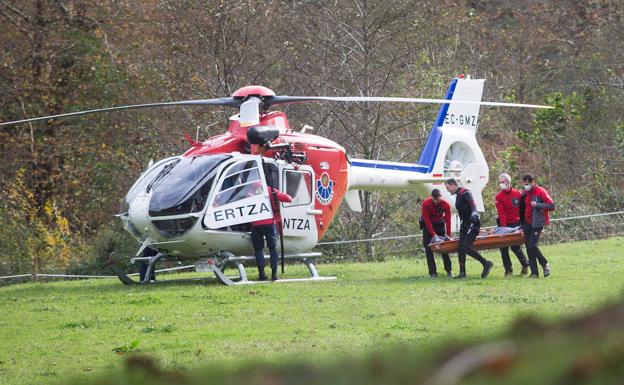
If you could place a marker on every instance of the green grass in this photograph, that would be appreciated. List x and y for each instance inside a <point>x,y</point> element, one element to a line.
<point>53,330</point>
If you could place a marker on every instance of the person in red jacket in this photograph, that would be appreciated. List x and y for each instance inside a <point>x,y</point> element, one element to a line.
<point>508,208</point>
<point>265,229</point>
<point>436,220</point>
<point>535,203</point>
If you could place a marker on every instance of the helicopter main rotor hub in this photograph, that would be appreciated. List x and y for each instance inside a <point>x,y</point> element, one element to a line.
<point>253,91</point>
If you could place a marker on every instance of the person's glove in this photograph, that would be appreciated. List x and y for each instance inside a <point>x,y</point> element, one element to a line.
<point>475,217</point>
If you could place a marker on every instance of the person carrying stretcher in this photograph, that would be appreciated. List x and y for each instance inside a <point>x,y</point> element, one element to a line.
<point>435,220</point>
<point>535,204</point>
<point>508,209</point>
<point>469,228</point>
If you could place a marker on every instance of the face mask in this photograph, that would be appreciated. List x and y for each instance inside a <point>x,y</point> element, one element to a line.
<point>527,187</point>
<point>503,186</point>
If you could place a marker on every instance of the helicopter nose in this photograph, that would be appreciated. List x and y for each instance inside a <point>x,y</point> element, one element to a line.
<point>138,213</point>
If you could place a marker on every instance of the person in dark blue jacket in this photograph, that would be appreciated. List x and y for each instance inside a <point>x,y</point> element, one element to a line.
<point>469,228</point>
<point>535,205</point>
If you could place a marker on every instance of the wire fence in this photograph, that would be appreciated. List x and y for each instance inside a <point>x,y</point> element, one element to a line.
<point>567,229</point>
<point>37,276</point>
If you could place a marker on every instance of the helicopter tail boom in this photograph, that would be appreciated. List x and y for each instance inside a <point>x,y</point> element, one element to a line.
<point>451,151</point>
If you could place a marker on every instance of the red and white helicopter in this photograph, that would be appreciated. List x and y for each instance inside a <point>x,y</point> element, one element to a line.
<point>198,205</point>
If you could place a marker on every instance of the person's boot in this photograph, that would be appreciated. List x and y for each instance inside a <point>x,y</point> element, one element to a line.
<point>434,275</point>
<point>533,276</point>
<point>508,274</point>
<point>546,270</point>
<point>486,269</point>
<point>461,275</point>
<point>525,270</point>
<point>274,275</point>
<point>261,275</point>
<point>449,274</point>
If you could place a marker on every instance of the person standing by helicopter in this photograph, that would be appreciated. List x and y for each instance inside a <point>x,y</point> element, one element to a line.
<point>508,209</point>
<point>265,229</point>
<point>436,220</point>
<point>469,228</point>
<point>535,203</point>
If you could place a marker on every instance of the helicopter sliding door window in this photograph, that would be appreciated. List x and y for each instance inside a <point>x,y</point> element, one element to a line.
<point>298,184</point>
<point>241,197</point>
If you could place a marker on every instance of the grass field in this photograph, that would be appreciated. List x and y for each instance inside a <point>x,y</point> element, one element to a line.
<point>54,330</point>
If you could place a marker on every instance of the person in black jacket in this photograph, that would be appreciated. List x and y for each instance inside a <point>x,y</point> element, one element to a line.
<point>469,228</point>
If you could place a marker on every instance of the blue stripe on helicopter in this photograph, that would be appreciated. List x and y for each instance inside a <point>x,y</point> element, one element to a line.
<point>428,155</point>
<point>386,166</point>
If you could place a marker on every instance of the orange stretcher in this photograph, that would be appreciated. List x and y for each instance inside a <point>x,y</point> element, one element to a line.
<point>487,239</point>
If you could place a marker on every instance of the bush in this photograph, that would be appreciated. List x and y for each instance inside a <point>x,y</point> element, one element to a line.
<point>34,238</point>
<point>112,244</point>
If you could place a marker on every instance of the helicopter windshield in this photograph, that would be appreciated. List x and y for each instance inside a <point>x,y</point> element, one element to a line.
<point>147,177</point>
<point>183,187</point>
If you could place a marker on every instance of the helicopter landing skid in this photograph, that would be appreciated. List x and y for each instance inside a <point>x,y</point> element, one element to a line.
<point>217,265</point>
<point>148,276</point>
<point>238,261</point>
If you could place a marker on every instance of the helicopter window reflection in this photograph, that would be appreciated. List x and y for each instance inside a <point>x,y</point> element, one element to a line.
<point>185,187</point>
<point>146,178</point>
<point>298,186</point>
<point>242,181</point>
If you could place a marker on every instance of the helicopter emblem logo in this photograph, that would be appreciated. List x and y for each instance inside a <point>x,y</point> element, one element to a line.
<point>324,189</point>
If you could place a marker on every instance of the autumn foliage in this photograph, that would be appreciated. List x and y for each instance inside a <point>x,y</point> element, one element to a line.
<point>69,175</point>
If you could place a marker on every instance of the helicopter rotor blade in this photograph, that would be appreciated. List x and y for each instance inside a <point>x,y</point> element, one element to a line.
<point>229,102</point>
<point>273,100</point>
<point>250,112</point>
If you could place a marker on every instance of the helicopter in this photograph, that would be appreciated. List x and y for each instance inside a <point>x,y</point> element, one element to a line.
<point>199,205</point>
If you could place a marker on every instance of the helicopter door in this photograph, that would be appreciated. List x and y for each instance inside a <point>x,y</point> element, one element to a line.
<point>298,215</point>
<point>240,196</point>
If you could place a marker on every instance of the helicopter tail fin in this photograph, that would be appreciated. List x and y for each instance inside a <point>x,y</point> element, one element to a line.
<point>453,117</point>
<point>452,151</point>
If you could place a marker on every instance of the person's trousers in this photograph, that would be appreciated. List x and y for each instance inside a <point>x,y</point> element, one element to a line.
<point>531,239</point>
<point>147,252</point>
<point>468,232</point>
<point>258,235</point>
<point>516,250</point>
<point>440,229</point>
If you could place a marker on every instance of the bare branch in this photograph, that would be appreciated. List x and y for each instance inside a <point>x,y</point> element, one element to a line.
<point>15,23</point>
<point>16,11</point>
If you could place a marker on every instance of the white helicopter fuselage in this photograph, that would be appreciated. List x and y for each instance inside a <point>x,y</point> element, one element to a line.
<point>200,204</point>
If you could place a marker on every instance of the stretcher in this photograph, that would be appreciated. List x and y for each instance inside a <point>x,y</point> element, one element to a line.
<point>487,239</point>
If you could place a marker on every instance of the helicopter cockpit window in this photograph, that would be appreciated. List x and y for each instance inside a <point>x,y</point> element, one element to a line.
<point>146,178</point>
<point>241,181</point>
<point>185,187</point>
<point>298,186</point>
<point>240,197</point>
